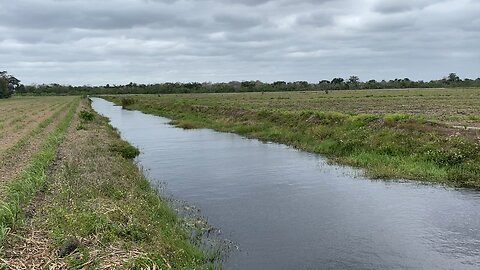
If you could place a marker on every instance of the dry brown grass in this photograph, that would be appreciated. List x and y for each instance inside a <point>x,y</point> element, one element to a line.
<point>19,116</point>
<point>12,162</point>
<point>446,105</point>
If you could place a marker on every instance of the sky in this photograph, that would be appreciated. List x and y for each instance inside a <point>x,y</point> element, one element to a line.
<point>85,42</point>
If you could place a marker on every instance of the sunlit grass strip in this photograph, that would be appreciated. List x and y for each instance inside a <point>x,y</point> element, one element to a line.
<point>34,132</point>
<point>21,189</point>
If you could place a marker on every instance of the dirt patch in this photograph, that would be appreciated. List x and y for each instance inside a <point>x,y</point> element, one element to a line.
<point>12,165</point>
<point>13,132</point>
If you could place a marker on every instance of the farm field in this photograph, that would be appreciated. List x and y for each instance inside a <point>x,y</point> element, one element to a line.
<point>71,197</point>
<point>446,105</point>
<point>422,134</point>
<point>24,125</point>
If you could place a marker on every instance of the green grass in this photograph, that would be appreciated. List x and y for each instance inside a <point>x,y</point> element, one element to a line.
<point>391,144</point>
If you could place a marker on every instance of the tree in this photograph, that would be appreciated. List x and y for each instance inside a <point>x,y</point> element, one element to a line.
<point>7,84</point>
<point>279,84</point>
<point>337,80</point>
<point>353,82</point>
<point>4,91</point>
<point>452,77</point>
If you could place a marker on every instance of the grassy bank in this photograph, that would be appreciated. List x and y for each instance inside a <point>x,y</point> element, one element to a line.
<point>386,142</point>
<point>94,208</point>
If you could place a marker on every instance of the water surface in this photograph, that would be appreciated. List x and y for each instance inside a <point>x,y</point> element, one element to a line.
<point>288,209</point>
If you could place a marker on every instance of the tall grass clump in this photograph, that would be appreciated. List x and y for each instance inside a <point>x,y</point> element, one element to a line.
<point>127,102</point>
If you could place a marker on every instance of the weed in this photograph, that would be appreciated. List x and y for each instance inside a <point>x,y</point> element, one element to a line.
<point>87,115</point>
<point>396,117</point>
<point>127,102</point>
<point>125,149</point>
<point>80,126</point>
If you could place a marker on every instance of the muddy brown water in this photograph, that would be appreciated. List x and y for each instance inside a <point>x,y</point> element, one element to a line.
<point>288,209</point>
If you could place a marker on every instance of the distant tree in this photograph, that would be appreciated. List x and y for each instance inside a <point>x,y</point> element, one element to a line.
<point>353,82</point>
<point>3,88</point>
<point>7,84</point>
<point>372,84</point>
<point>337,80</point>
<point>279,83</point>
<point>248,85</point>
<point>20,89</point>
<point>303,84</point>
<point>452,77</point>
<point>353,79</point>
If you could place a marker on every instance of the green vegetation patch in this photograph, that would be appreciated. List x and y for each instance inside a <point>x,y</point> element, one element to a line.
<point>125,149</point>
<point>87,115</point>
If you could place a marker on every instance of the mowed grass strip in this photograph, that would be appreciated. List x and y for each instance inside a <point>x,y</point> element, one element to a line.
<point>97,201</point>
<point>394,145</point>
<point>21,189</point>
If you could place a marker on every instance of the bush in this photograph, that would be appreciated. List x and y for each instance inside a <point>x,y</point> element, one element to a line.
<point>87,115</point>
<point>127,102</point>
<point>396,117</point>
<point>125,150</point>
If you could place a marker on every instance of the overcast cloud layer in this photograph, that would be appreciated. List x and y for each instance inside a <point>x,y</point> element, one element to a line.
<point>117,41</point>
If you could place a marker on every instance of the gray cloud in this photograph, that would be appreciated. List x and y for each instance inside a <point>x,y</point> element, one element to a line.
<point>118,41</point>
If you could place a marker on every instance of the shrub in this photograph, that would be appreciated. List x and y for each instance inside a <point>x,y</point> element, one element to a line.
<point>125,150</point>
<point>87,115</point>
<point>396,117</point>
<point>80,127</point>
<point>362,119</point>
<point>127,102</point>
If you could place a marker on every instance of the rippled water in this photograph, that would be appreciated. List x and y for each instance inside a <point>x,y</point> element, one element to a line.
<point>288,209</point>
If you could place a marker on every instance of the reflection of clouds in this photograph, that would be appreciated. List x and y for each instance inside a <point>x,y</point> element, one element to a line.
<point>452,229</point>
<point>145,40</point>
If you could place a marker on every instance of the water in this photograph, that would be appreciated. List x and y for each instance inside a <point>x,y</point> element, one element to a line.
<point>288,209</point>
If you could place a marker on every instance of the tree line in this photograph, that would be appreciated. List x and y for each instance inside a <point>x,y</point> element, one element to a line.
<point>352,83</point>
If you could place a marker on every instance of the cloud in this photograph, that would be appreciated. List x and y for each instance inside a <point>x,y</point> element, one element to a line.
<point>118,41</point>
